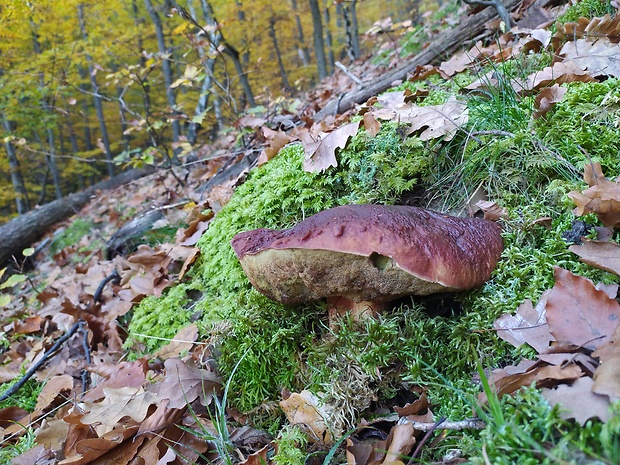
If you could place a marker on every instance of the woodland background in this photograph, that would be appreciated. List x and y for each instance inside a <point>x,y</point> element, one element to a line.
<point>88,88</point>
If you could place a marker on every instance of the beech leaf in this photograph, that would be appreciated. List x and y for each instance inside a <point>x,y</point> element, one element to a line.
<point>603,255</point>
<point>578,401</point>
<point>578,313</point>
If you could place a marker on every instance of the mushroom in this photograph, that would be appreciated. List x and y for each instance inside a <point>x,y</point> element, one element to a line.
<point>369,254</point>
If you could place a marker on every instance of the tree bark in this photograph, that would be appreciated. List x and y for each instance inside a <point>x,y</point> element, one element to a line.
<point>302,50</point>
<point>319,47</point>
<point>21,194</point>
<point>443,45</point>
<point>21,232</point>
<point>209,66</point>
<point>165,65</point>
<point>328,40</point>
<point>98,104</point>
<point>274,39</point>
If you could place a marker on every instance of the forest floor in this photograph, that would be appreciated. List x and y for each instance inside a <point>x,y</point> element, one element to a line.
<point>156,349</point>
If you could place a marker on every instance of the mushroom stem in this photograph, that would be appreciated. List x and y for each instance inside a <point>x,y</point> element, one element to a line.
<point>338,307</point>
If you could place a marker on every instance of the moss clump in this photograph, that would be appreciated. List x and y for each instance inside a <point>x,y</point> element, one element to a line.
<point>25,398</point>
<point>71,235</point>
<point>534,433</point>
<point>291,442</point>
<point>583,126</point>
<point>587,9</point>
<point>161,318</point>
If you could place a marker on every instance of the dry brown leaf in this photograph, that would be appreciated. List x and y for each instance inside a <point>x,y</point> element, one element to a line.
<point>277,140</point>
<point>560,73</point>
<point>492,211</point>
<point>182,342</point>
<point>602,198</point>
<point>607,375</point>
<point>603,255</point>
<point>305,410</point>
<point>599,58</point>
<point>510,379</point>
<point>433,121</point>
<point>578,313</point>
<point>52,389</point>
<point>32,324</point>
<point>547,98</point>
<point>400,442</point>
<point>185,382</point>
<point>118,403</point>
<point>527,326</point>
<point>413,408</point>
<point>87,450</point>
<point>371,124</point>
<point>53,434</point>
<point>321,151</point>
<point>578,401</point>
<point>121,374</point>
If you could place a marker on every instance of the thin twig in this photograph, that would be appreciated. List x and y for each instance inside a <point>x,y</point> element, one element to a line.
<point>61,340</point>
<point>469,423</point>
<point>423,441</point>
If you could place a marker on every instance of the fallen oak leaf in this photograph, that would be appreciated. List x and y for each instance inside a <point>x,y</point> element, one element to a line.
<point>603,255</point>
<point>305,410</point>
<point>118,403</point>
<point>321,152</point>
<point>602,198</point>
<point>184,383</point>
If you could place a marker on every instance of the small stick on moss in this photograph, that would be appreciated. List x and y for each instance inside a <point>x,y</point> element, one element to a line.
<point>61,340</point>
<point>425,438</point>
<point>469,423</point>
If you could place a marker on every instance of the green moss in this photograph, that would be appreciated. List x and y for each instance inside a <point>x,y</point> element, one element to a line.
<point>25,398</point>
<point>583,126</point>
<point>161,318</point>
<point>587,9</point>
<point>71,235</point>
<point>534,433</point>
<point>291,442</point>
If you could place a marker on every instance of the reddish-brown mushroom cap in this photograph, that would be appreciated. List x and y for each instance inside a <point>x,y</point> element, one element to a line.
<point>370,252</point>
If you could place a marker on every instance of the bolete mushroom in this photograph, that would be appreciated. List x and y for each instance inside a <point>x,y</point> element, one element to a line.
<point>373,253</point>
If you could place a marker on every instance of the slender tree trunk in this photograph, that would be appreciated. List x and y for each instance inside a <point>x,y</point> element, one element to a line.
<point>245,58</point>
<point>51,161</point>
<point>88,140</point>
<point>232,53</point>
<point>51,153</point>
<point>328,40</point>
<point>21,194</point>
<point>146,89</point>
<point>302,50</point>
<point>355,40</point>
<point>209,65</point>
<point>319,48</point>
<point>98,104</point>
<point>165,65</point>
<point>272,34</point>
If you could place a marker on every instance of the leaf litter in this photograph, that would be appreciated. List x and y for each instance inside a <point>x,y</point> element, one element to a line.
<point>155,410</point>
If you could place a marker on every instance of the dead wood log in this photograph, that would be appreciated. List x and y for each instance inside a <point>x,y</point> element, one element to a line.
<point>444,44</point>
<point>22,231</point>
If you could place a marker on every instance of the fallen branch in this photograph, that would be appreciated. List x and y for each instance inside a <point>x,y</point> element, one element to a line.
<point>469,423</point>
<point>442,45</point>
<point>46,356</point>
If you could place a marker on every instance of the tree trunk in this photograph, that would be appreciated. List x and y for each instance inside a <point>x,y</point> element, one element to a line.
<point>319,48</point>
<point>21,232</point>
<point>98,104</point>
<point>274,39</point>
<point>302,50</point>
<point>231,52</point>
<point>51,162</point>
<point>444,44</point>
<point>21,194</point>
<point>144,83</point>
<point>328,40</point>
<point>350,24</point>
<point>165,65</point>
<point>209,66</point>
